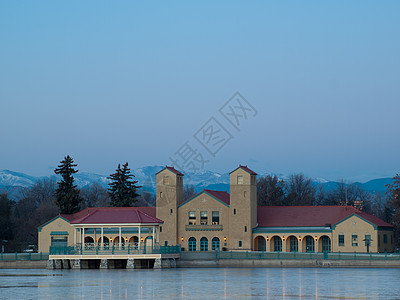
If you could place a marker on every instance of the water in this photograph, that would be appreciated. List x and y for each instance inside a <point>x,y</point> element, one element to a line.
<point>207,283</point>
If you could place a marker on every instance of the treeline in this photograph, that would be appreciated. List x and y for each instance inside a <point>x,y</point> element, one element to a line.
<point>19,221</point>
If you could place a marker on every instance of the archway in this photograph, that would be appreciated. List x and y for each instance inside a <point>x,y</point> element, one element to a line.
<point>292,244</point>
<point>89,240</point>
<point>276,244</point>
<point>308,244</point>
<point>106,242</point>
<point>260,243</point>
<point>215,244</point>
<point>203,244</point>
<point>324,244</point>
<point>192,244</point>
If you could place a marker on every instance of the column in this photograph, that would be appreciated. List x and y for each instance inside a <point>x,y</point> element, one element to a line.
<point>158,235</point>
<point>120,241</point>
<point>83,237</point>
<point>102,237</point>
<point>75,236</point>
<point>154,228</point>
<point>140,236</point>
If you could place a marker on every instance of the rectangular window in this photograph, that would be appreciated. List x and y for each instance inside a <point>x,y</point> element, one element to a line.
<point>240,179</point>
<point>240,244</point>
<point>354,239</point>
<point>244,194</point>
<point>171,211</point>
<point>166,179</point>
<point>385,238</point>
<point>215,217</point>
<point>367,240</point>
<point>160,194</point>
<point>203,217</point>
<point>245,228</point>
<point>234,211</point>
<point>160,228</point>
<point>341,240</point>
<point>192,218</point>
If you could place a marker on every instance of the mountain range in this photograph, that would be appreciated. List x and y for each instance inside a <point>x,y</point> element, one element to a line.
<point>13,182</point>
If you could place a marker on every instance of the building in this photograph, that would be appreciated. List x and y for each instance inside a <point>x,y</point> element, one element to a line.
<point>216,220</point>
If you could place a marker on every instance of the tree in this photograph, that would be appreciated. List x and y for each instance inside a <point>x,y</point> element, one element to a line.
<point>270,191</point>
<point>123,190</point>
<point>188,192</point>
<point>95,195</point>
<point>6,232</point>
<point>300,190</point>
<point>393,193</point>
<point>67,194</point>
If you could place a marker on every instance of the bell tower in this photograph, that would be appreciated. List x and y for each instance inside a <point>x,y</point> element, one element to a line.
<point>169,189</point>
<point>243,208</point>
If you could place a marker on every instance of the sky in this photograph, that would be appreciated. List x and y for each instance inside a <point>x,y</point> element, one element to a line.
<point>144,82</point>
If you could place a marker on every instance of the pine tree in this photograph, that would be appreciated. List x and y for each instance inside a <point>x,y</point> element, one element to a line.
<point>67,195</point>
<point>123,189</point>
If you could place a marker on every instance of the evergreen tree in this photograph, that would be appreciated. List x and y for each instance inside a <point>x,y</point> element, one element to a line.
<point>393,193</point>
<point>67,195</point>
<point>123,190</point>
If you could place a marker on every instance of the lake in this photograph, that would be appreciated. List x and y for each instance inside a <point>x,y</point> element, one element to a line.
<point>202,283</point>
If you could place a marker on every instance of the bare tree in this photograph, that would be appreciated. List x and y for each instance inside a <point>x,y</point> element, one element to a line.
<point>270,191</point>
<point>146,198</point>
<point>95,195</point>
<point>300,190</point>
<point>188,192</point>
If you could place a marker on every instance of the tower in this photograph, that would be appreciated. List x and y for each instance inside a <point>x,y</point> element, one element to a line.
<point>243,208</point>
<point>169,194</point>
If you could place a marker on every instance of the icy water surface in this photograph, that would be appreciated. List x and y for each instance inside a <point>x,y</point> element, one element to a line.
<point>210,283</point>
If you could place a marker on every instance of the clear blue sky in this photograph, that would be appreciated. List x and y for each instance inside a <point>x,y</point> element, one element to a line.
<point>114,82</point>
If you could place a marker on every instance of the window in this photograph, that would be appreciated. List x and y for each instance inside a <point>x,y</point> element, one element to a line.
<point>367,239</point>
<point>277,244</point>
<point>234,211</point>
<point>385,238</point>
<point>160,228</point>
<point>240,179</point>
<point>354,239</point>
<point>215,244</point>
<point>341,239</point>
<point>310,244</point>
<point>294,244</point>
<point>166,180</point>
<point>245,228</point>
<point>171,211</point>
<point>215,217</point>
<point>192,244</point>
<point>160,194</point>
<point>203,218</point>
<point>192,218</point>
<point>240,244</point>
<point>204,244</point>
<point>261,245</point>
<point>244,194</point>
<point>326,244</point>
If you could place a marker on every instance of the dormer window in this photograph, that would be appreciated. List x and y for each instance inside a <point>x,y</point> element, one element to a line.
<point>240,179</point>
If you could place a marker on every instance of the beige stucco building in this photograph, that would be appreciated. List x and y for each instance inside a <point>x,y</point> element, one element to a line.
<point>217,220</point>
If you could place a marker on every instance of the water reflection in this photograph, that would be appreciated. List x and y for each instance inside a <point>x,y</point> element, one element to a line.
<point>209,283</point>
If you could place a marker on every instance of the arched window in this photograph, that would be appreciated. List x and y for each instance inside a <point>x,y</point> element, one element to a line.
<point>192,244</point>
<point>277,244</point>
<point>294,244</point>
<point>326,244</point>
<point>261,244</point>
<point>204,244</point>
<point>215,244</point>
<point>310,244</point>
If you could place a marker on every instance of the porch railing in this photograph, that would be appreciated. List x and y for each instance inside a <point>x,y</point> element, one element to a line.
<point>111,249</point>
<point>23,256</point>
<point>302,255</point>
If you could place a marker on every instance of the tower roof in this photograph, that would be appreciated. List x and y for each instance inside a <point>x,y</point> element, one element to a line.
<point>172,169</point>
<point>245,168</point>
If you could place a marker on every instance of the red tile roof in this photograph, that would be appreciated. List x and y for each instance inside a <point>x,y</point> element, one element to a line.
<point>220,195</point>
<point>297,216</point>
<point>245,168</point>
<point>114,215</point>
<point>172,169</point>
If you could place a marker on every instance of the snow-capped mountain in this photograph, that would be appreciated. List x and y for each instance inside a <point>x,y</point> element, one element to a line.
<point>13,181</point>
